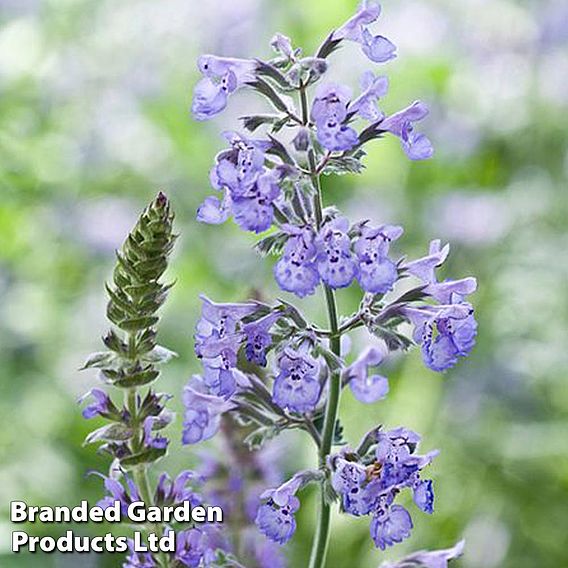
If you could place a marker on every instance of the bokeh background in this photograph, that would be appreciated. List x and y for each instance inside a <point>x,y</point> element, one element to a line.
<point>94,98</point>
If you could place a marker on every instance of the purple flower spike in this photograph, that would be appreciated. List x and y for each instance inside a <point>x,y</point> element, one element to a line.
<point>373,88</point>
<point>377,48</point>
<point>329,112</point>
<point>377,272</point>
<point>365,387</point>
<point>221,77</point>
<point>349,479</point>
<point>416,146</point>
<point>390,526</point>
<point>297,387</point>
<point>336,264</point>
<point>202,415</point>
<point>275,517</point>
<point>296,271</point>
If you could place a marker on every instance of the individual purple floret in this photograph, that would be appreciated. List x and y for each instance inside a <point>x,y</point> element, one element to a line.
<point>296,270</point>
<point>297,387</point>
<point>174,492</point>
<point>152,440</point>
<point>445,332</point>
<point>377,272</point>
<point>416,146</point>
<point>373,88</point>
<point>329,113</point>
<point>193,548</point>
<point>202,415</point>
<point>249,188</point>
<point>258,338</point>
<point>117,492</point>
<point>390,525</point>
<point>429,558</point>
<point>219,327</point>
<point>336,263</point>
<point>365,387</point>
<point>377,48</point>
<point>222,76</point>
<point>349,479</point>
<point>275,516</point>
<point>215,211</point>
<point>101,406</point>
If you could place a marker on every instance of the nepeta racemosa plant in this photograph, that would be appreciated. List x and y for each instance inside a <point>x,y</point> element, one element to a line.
<point>267,364</point>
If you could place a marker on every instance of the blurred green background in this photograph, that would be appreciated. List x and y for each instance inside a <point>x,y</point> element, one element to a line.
<point>94,120</point>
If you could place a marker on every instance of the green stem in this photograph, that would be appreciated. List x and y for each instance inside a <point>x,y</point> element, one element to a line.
<point>321,539</point>
<point>140,473</point>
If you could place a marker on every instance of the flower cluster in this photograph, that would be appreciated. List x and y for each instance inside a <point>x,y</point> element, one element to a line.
<point>267,365</point>
<point>368,484</point>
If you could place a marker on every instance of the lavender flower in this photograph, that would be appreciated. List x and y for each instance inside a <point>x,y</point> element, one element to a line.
<point>275,517</point>
<point>373,88</point>
<point>416,146</point>
<point>296,271</point>
<point>377,272</point>
<point>222,76</point>
<point>193,548</point>
<point>335,262</point>
<point>390,525</point>
<point>102,405</point>
<point>365,387</point>
<point>202,415</point>
<point>377,48</point>
<point>258,338</point>
<point>329,113</point>
<point>297,386</point>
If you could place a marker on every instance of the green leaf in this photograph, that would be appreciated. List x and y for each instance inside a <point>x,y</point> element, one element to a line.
<point>111,433</point>
<point>272,244</point>
<point>145,457</point>
<point>256,439</point>
<point>137,379</point>
<point>343,165</point>
<point>159,354</point>
<point>99,360</point>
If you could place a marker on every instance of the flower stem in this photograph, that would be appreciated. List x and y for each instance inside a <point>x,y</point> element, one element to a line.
<point>321,539</point>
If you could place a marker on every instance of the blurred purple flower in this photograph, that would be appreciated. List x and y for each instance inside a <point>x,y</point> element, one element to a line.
<point>365,387</point>
<point>202,415</point>
<point>275,516</point>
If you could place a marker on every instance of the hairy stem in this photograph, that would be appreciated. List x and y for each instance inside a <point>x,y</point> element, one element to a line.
<point>321,538</point>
